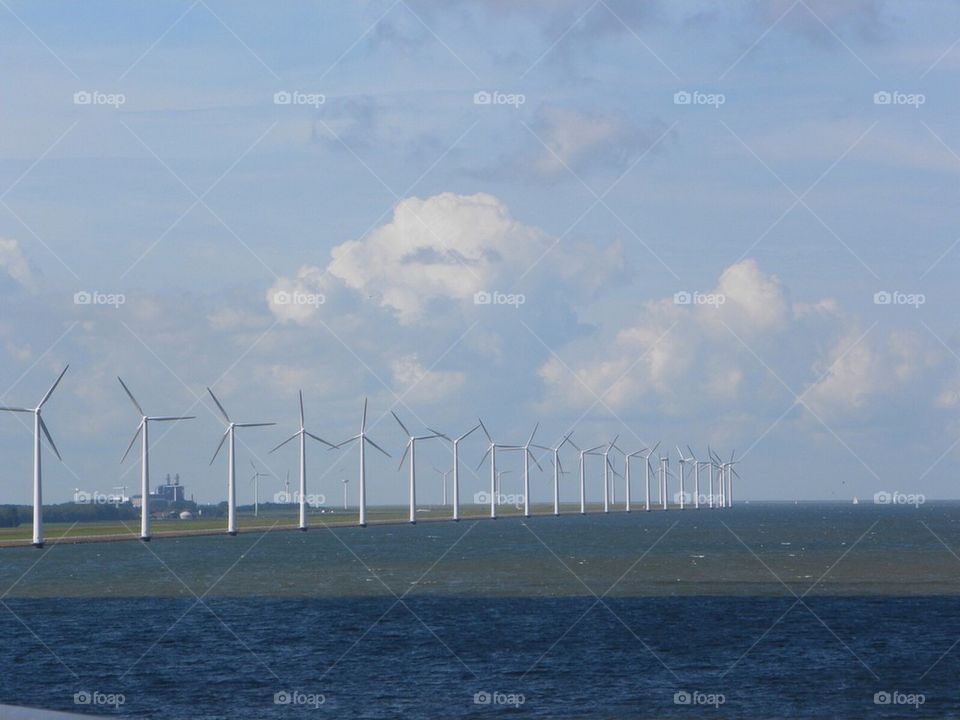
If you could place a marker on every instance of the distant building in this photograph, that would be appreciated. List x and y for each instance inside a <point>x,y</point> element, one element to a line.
<point>170,491</point>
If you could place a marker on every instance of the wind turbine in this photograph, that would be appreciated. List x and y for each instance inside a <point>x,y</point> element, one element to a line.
<point>696,478</point>
<point>144,427</point>
<point>456,468</point>
<point>303,434</point>
<point>557,469</point>
<point>256,488</point>
<point>39,426</point>
<point>626,463</point>
<point>362,437</point>
<point>728,495</point>
<point>718,463</point>
<point>443,481</point>
<point>344,481</point>
<point>683,463</point>
<point>527,455</point>
<point>647,472</point>
<point>229,435</point>
<point>412,449</point>
<point>606,478</point>
<point>583,485</point>
<point>664,471</point>
<point>492,452</point>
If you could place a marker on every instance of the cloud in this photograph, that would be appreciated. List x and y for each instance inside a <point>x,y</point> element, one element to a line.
<point>15,264</point>
<point>415,383</point>
<point>437,252</point>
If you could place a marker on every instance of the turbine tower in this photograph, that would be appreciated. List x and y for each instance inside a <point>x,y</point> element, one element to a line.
<point>362,437</point>
<point>303,434</point>
<point>144,427</point>
<point>583,484</point>
<point>683,463</point>
<point>39,426</point>
<point>664,471</point>
<point>492,448</point>
<point>696,478</point>
<point>557,469</point>
<point>608,466</point>
<point>229,436</point>
<point>527,456</point>
<point>255,479</point>
<point>648,470</point>
<point>626,472</point>
<point>412,450</point>
<point>456,466</point>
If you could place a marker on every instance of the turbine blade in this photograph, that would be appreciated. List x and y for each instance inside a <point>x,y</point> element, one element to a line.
<point>535,428</point>
<point>483,459</point>
<point>53,387</point>
<point>43,426</point>
<point>485,430</point>
<point>692,453</point>
<point>254,424</point>
<point>222,411</point>
<point>613,443</point>
<point>437,433</point>
<point>301,408</point>
<point>363,421</point>
<point>166,418</point>
<point>405,451</point>
<point>130,395</point>
<point>319,439</point>
<point>469,432</point>
<point>535,459</point>
<point>655,447</point>
<point>593,450</point>
<point>401,424</point>
<point>296,434</point>
<point>222,440</point>
<point>377,446</point>
<point>16,409</point>
<point>575,446</point>
<point>346,442</point>
<point>132,441</point>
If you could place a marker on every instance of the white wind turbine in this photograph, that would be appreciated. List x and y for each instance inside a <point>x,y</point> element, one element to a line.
<point>557,469</point>
<point>717,463</point>
<point>606,467</point>
<point>303,434</point>
<point>492,452</point>
<point>527,456</point>
<point>229,436</point>
<point>664,472</point>
<point>362,437</point>
<point>648,470</point>
<point>583,484</point>
<point>683,464</point>
<point>443,482</point>
<point>626,472</point>
<point>144,427</point>
<point>730,472</point>
<point>255,479</point>
<point>696,478</point>
<point>456,466</point>
<point>39,426</point>
<point>412,450</point>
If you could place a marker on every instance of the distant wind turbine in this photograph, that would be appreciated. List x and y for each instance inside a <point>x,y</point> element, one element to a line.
<point>626,472</point>
<point>39,426</point>
<point>583,484</point>
<point>229,437</point>
<point>683,464</point>
<point>362,437</point>
<point>647,472</point>
<point>557,469</point>
<point>412,450</point>
<point>527,456</point>
<point>696,478</point>
<point>608,466</point>
<point>255,479</point>
<point>303,434</point>
<point>456,466</point>
<point>144,427</point>
<point>492,448</point>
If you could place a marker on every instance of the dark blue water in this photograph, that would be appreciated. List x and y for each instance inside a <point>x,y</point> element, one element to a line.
<point>563,652</point>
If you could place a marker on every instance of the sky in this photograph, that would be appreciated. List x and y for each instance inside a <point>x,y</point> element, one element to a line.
<point>732,225</point>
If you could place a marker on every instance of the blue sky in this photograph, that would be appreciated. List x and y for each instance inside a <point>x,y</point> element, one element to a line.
<point>338,246</point>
